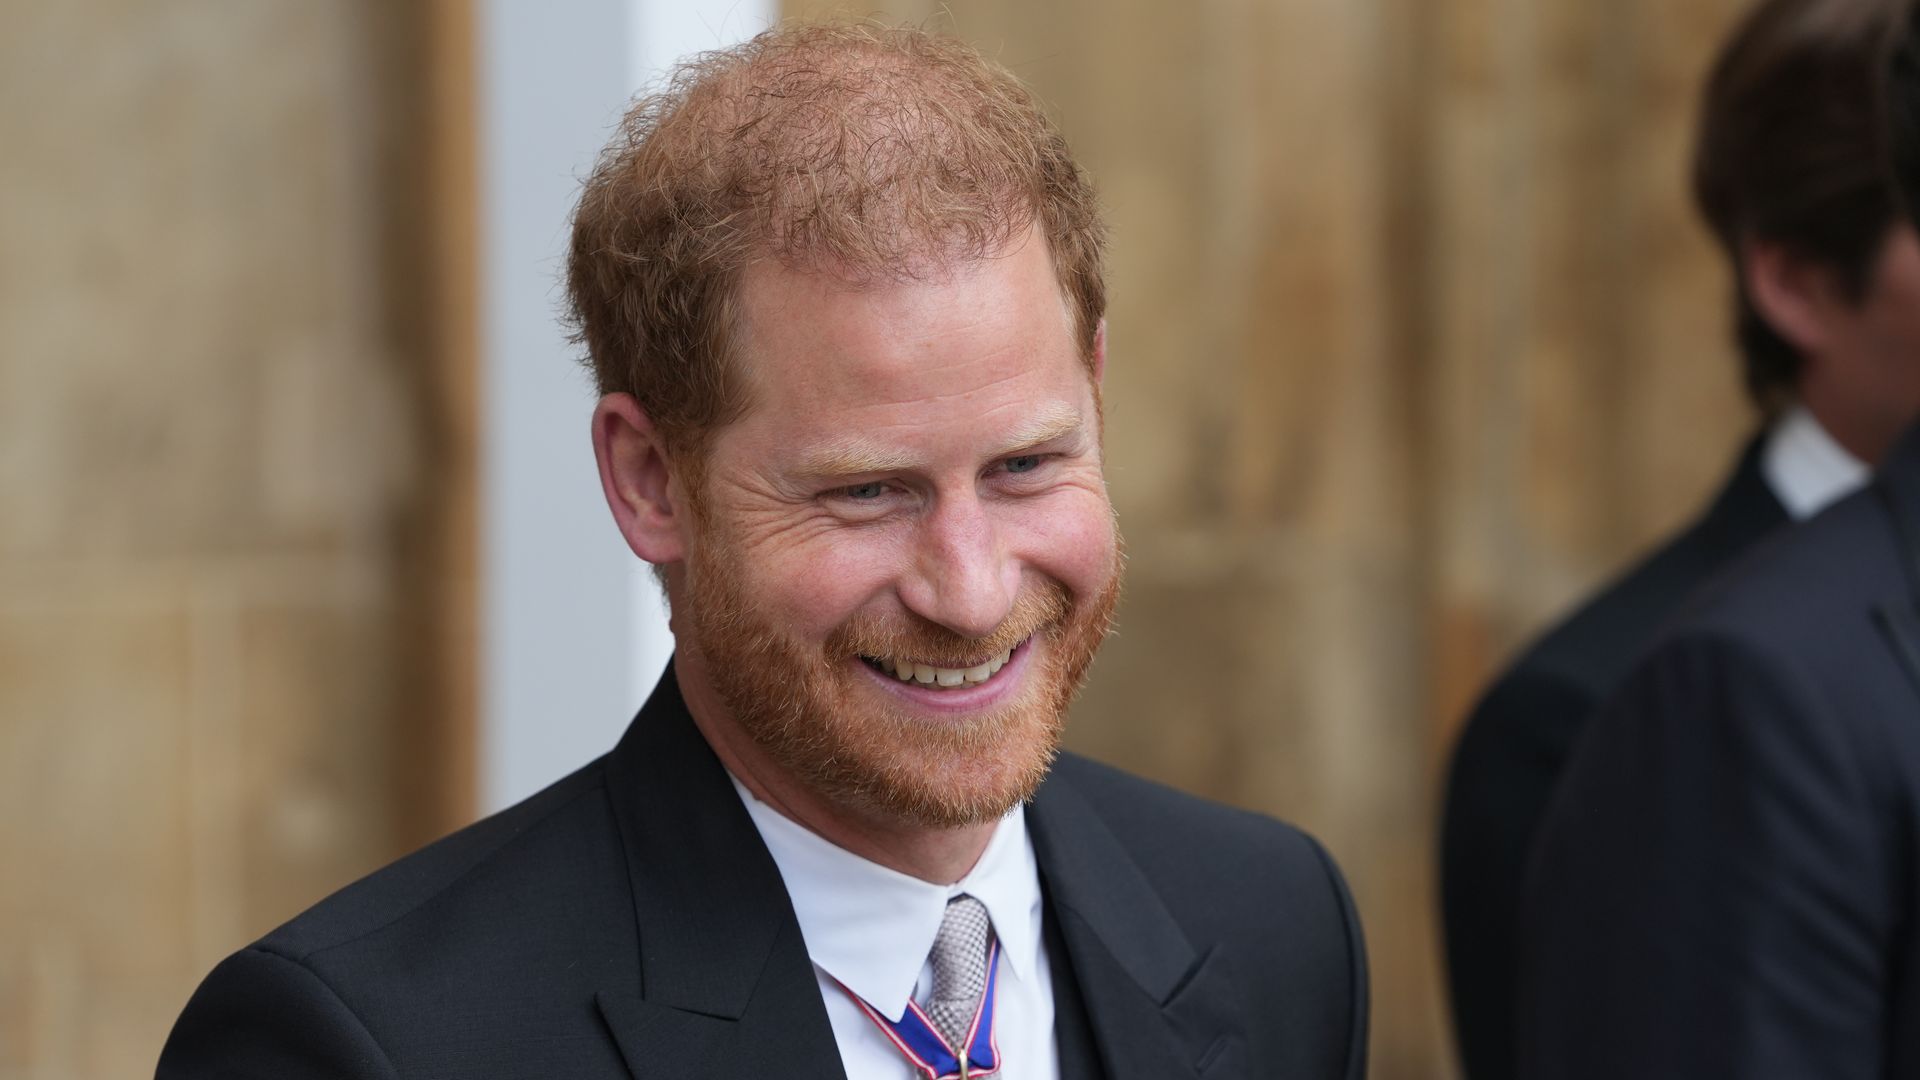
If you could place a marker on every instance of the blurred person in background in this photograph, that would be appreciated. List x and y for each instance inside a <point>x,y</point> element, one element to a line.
<point>1725,885</point>
<point>1788,173</point>
<point>843,294</point>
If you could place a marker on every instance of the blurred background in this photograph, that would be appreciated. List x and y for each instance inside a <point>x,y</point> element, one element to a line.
<point>1414,339</point>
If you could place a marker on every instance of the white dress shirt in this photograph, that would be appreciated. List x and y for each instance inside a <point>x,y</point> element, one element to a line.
<point>869,929</point>
<point>1805,468</point>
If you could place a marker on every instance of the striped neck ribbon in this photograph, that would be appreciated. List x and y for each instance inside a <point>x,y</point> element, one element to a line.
<point>927,1050</point>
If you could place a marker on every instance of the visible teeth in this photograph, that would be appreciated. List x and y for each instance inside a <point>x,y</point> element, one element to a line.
<point>928,675</point>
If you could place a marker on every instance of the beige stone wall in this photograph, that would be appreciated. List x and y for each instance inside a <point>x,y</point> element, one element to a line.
<point>1413,339</point>
<point>213,433</point>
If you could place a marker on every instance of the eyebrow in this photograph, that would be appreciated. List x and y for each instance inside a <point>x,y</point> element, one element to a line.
<point>858,456</point>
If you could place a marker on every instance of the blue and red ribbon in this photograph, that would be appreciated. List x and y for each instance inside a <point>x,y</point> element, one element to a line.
<point>927,1049</point>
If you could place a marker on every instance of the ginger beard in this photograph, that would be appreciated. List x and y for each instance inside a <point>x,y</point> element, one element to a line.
<point>805,707</point>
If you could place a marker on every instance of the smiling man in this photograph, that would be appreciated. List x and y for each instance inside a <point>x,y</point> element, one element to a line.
<point>842,290</point>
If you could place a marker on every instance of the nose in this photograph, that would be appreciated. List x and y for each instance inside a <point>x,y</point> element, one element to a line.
<point>962,576</point>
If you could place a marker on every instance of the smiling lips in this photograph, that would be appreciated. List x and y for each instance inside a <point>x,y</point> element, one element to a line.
<point>929,675</point>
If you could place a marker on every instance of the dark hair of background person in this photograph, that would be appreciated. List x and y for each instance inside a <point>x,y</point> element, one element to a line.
<point>1791,152</point>
<point>1903,111</point>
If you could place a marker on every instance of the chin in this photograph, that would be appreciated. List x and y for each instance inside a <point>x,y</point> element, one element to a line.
<point>941,769</point>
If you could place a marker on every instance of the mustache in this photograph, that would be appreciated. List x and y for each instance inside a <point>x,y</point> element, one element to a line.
<point>1036,610</point>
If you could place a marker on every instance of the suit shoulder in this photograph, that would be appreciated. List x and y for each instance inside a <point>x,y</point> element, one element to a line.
<point>1527,721</point>
<point>516,919</point>
<point>440,872</point>
<point>1532,714</point>
<point>1594,647</point>
<point>1186,838</point>
<point>262,1014</point>
<point>1793,593</point>
<point>1118,794</point>
<point>1265,892</point>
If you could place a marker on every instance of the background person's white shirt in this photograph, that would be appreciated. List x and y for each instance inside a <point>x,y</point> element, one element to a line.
<point>871,928</point>
<point>1805,468</point>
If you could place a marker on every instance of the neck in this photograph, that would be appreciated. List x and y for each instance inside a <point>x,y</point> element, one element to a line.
<point>1866,425</point>
<point>938,855</point>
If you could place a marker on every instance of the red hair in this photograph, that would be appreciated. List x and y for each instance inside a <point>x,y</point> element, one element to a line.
<point>867,152</point>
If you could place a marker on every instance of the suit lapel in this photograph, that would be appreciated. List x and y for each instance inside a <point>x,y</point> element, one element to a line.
<point>726,988</point>
<point>1901,628</point>
<point>1073,1035</point>
<point>1898,488</point>
<point>1159,1008</point>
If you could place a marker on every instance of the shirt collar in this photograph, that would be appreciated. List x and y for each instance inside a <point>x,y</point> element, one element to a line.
<point>871,928</point>
<point>1805,467</point>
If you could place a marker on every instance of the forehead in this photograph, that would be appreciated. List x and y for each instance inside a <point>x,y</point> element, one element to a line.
<point>990,342</point>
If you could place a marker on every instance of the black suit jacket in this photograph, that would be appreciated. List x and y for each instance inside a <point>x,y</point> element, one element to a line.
<point>1515,745</point>
<point>628,921</point>
<point>1725,885</point>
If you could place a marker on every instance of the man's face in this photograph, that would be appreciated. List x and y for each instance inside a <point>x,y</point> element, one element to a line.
<point>905,556</point>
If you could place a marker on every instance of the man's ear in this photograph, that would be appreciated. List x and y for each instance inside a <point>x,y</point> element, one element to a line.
<point>1796,296</point>
<point>637,477</point>
<point>1100,353</point>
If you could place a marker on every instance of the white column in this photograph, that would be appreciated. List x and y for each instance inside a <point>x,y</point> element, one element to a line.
<point>660,33</point>
<point>573,634</point>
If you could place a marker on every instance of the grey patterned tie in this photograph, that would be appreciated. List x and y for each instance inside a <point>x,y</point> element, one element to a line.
<point>959,961</point>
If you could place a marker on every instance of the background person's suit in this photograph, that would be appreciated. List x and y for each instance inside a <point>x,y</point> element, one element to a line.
<point>1515,747</point>
<point>1725,885</point>
<point>629,922</point>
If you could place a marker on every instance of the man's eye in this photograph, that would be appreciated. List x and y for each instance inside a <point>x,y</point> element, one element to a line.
<point>865,492</point>
<point>1023,463</point>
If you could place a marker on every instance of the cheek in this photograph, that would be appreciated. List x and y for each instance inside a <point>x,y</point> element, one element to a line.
<point>1897,303</point>
<point>817,586</point>
<point>1908,327</point>
<point>1895,336</point>
<point>1069,537</point>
